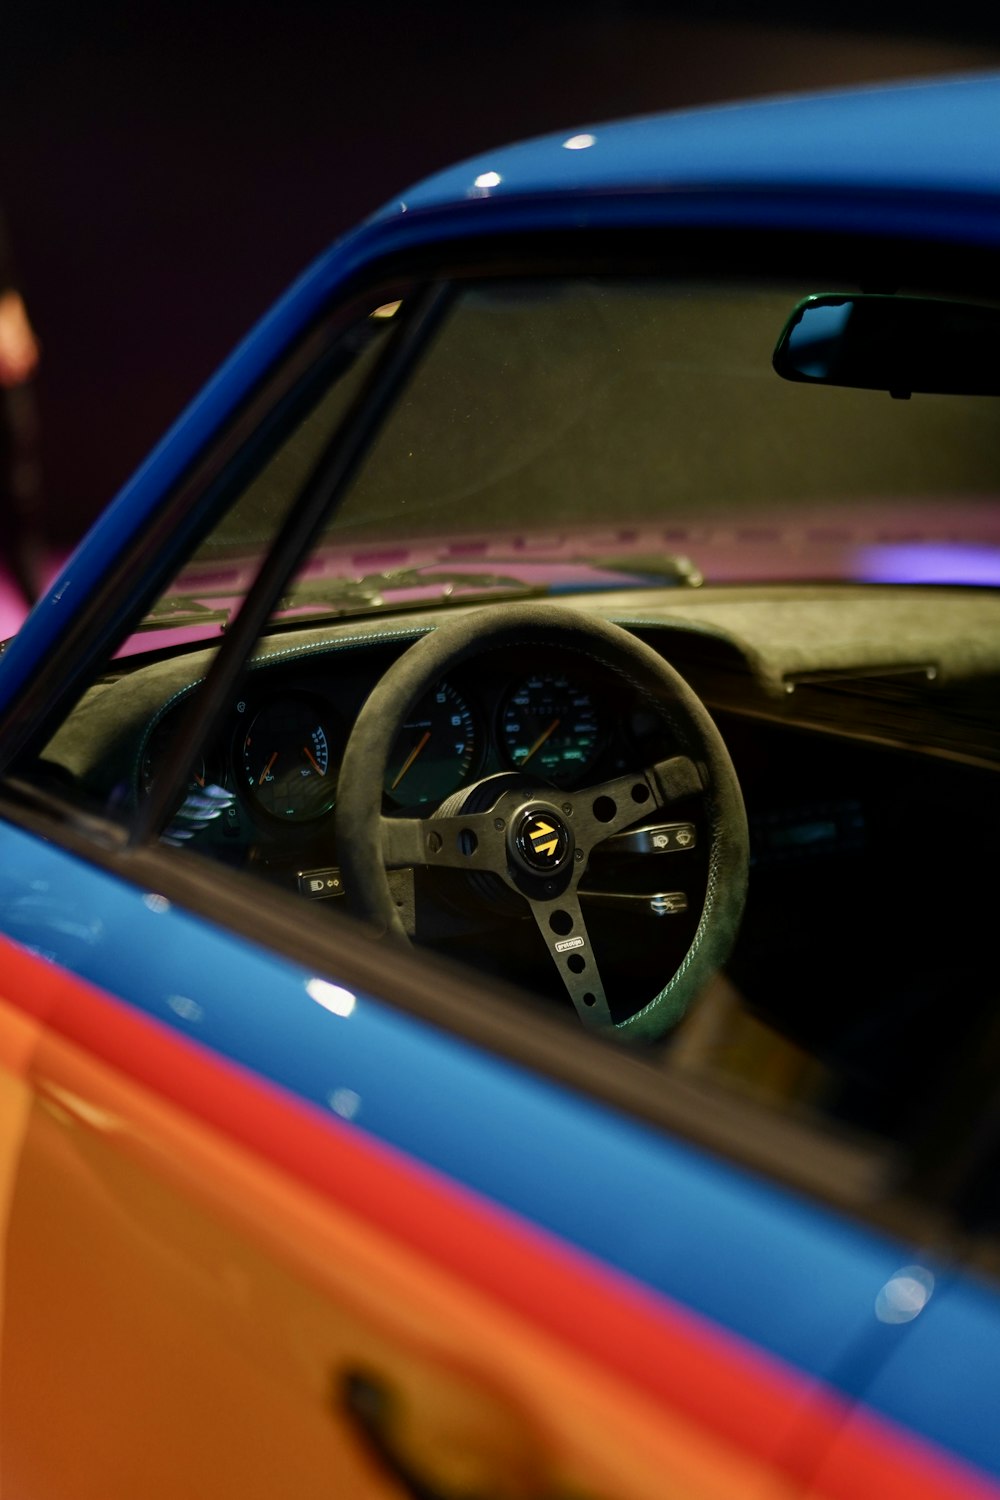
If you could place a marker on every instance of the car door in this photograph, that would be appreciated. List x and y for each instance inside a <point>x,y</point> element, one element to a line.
<point>412,1265</point>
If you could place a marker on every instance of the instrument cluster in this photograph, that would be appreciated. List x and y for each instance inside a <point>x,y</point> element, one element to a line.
<point>561,720</point>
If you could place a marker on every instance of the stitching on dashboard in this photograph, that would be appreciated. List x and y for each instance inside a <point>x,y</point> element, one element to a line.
<point>371,638</point>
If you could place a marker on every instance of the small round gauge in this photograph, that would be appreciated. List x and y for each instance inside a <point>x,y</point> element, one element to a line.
<point>157,748</point>
<point>434,751</point>
<point>285,761</point>
<point>550,727</point>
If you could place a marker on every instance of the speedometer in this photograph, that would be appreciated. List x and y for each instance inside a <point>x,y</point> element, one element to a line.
<point>550,726</point>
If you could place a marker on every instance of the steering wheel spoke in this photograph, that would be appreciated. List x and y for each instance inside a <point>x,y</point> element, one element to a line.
<point>600,812</point>
<point>469,842</point>
<point>564,932</point>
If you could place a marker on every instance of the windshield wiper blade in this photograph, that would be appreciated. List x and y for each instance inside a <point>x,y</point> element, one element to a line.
<point>663,567</point>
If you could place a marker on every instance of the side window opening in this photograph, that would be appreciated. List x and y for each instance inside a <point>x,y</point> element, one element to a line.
<point>506,472</point>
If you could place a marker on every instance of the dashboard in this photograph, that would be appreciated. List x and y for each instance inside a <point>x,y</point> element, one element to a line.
<point>890,667</point>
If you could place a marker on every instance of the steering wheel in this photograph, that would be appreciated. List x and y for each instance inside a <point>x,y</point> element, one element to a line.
<point>526,836</point>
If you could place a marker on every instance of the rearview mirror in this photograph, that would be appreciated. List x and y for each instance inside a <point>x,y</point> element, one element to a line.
<point>895,344</point>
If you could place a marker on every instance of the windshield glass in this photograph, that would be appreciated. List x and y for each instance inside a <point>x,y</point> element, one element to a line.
<point>564,434</point>
<point>595,420</point>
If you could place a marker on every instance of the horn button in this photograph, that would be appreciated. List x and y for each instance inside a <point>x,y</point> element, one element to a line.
<point>540,844</point>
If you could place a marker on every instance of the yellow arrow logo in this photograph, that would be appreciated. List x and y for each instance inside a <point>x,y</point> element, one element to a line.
<point>540,831</point>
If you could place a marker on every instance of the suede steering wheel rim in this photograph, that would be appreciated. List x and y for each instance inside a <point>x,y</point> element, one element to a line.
<point>498,838</point>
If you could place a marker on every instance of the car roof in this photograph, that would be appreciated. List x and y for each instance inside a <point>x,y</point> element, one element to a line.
<point>933,134</point>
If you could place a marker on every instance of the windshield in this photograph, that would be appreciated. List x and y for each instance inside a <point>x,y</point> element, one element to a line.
<point>563,434</point>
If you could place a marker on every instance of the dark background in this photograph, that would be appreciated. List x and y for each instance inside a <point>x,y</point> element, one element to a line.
<point>167,170</point>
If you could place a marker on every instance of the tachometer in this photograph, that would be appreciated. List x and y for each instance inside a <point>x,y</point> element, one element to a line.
<point>550,726</point>
<point>287,767</point>
<point>435,750</point>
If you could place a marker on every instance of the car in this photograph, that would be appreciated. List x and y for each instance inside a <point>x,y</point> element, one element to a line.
<point>498,829</point>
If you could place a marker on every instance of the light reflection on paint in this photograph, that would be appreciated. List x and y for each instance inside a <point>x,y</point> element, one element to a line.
<point>344,1102</point>
<point>488,180</point>
<point>186,1008</point>
<point>580,142</point>
<point>927,562</point>
<point>74,1107</point>
<point>339,1002</point>
<point>905,1295</point>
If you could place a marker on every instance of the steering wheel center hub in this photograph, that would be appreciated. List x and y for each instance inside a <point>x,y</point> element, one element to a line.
<point>540,841</point>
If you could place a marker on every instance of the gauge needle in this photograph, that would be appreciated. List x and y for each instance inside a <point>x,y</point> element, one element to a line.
<point>312,760</point>
<point>260,779</point>
<point>541,740</point>
<point>408,762</point>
